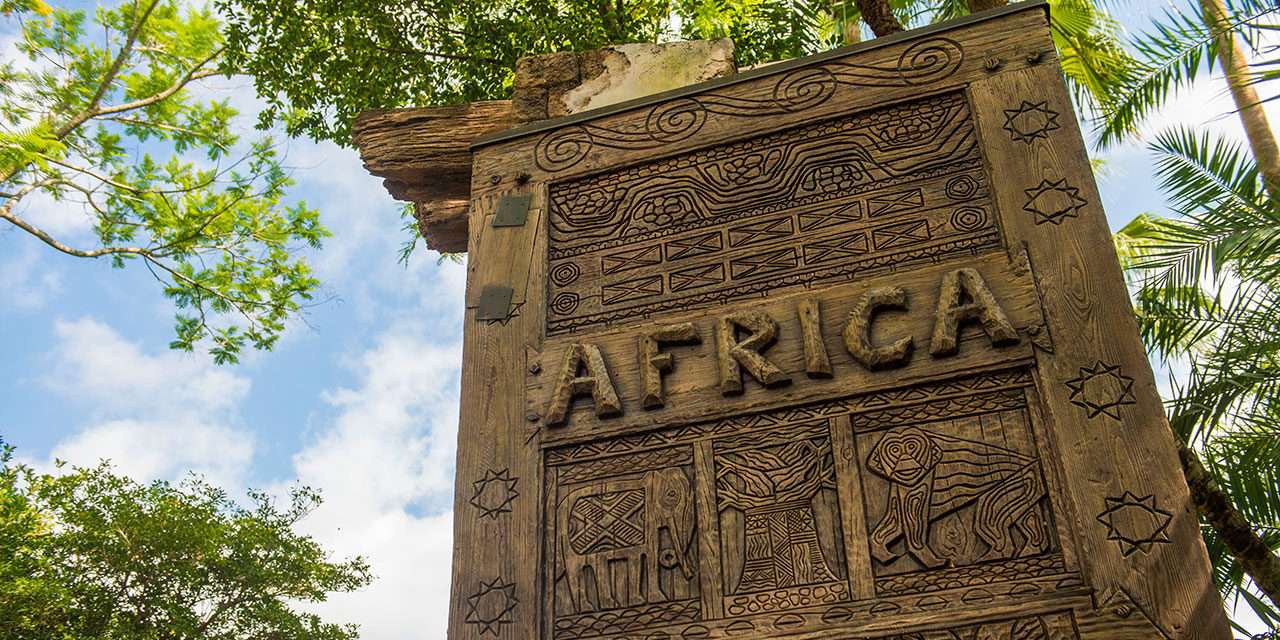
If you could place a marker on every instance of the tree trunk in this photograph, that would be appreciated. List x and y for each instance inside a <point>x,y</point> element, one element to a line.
<point>1236,68</point>
<point>1215,506</point>
<point>982,5</point>
<point>879,17</point>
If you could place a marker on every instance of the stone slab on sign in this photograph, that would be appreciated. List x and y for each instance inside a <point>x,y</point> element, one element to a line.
<point>836,348</point>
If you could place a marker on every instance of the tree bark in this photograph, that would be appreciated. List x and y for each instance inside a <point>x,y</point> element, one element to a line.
<point>982,5</point>
<point>1236,68</point>
<point>878,15</point>
<point>1217,509</point>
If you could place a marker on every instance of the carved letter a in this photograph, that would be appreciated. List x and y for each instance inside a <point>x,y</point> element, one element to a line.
<point>594,381</point>
<point>953,311</point>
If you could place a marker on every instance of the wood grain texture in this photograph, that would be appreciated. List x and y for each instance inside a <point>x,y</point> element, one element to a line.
<point>694,387</point>
<point>873,78</point>
<point>1021,485</point>
<point>494,591</point>
<point>423,156</point>
<point>1138,531</point>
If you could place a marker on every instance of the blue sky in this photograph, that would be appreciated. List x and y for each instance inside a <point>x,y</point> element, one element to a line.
<point>360,401</point>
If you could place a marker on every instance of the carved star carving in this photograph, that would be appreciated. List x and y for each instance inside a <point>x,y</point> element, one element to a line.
<point>492,605</point>
<point>1136,524</point>
<point>494,492</point>
<point>1054,201</point>
<point>1101,389</point>
<point>1030,120</point>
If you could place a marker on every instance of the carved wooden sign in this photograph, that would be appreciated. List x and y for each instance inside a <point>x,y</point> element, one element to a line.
<point>838,348</point>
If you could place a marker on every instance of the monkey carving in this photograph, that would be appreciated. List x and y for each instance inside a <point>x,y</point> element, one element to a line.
<point>932,475</point>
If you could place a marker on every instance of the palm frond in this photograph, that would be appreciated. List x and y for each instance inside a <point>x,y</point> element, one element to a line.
<point>1226,219</point>
<point>1171,55</point>
<point>1089,50</point>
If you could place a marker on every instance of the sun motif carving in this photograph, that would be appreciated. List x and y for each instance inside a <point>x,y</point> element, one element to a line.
<point>1136,524</point>
<point>494,493</point>
<point>1030,120</point>
<point>1054,201</point>
<point>1101,389</point>
<point>492,606</point>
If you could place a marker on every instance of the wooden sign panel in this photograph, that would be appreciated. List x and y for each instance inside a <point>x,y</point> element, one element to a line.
<point>835,349</point>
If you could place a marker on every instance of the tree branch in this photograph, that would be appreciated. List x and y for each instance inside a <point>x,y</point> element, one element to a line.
<point>193,74</point>
<point>6,213</point>
<point>878,15</point>
<point>1218,510</point>
<point>125,50</point>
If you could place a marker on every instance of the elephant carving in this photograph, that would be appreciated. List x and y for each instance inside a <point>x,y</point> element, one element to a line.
<point>626,532</point>
<point>932,475</point>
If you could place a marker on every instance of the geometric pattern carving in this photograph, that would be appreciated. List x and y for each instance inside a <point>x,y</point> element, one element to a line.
<point>1136,524</point>
<point>961,187</point>
<point>760,232</point>
<point>1030,121</point>
<point>491,606</point>
<point>895,202</point>
<point>607,521</point>
<point>1101,389</point>
<point>494,492</point>
<point>761,264</point>
<point>947,474</point>
<point>825,201</point>
<point>820,219</point>
<point>900,235</point>
<point>1054,201</point>
<point>565,273</point>
<point>605,623</point>
<point>700,276</point>
<point>978,574</point>
<point>630,259</point>
<point>633,289</point>
<point>969,218</point>
<point>835,248</point>
<point>694,246</point>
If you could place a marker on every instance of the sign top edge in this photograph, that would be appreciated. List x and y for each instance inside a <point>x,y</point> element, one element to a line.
<point>760,72</point>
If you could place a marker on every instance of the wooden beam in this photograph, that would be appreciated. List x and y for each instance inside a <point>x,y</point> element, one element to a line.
<point>423,157</point>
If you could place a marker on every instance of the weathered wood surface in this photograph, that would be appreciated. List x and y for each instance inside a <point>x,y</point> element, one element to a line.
<point>423,157</point>
<point>693,388</point>
<point>1012,489</point>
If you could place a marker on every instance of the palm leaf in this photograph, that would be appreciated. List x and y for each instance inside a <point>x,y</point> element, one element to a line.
<point>1172,55</point>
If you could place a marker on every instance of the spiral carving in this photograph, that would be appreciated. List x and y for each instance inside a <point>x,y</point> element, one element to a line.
<point>563,148</point>
<point>804,88</point>
<point>675,120</point>
<point>929,60</point>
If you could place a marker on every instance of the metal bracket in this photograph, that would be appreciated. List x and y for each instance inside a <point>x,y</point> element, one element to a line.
<point>513,210</point>
<point>495,302</point>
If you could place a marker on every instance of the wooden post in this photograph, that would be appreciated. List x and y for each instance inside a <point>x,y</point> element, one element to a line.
<point>943,422</point>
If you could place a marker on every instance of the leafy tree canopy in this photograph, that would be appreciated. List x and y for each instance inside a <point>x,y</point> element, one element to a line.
<point>105,116</point>
<point>89,554</point>
<point>319,63</point>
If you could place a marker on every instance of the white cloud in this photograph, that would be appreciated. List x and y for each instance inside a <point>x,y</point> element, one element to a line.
<point>66,220</point>
<point>28,281</point>
<point>94,362</point>
<point>385,467</point>
<point>167,449</point>
<point>155,416</point>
